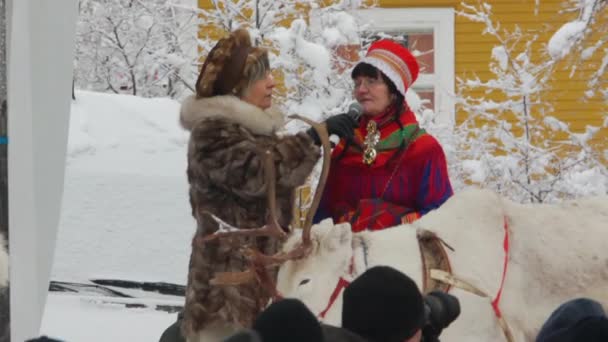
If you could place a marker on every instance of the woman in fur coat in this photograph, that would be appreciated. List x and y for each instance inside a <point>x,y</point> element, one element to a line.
<point>231,124</point>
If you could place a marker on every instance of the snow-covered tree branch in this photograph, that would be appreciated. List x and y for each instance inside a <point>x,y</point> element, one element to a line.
<point>584,38</point>
<point>145,48</point>
<point>508,140</point>
<point>304,54</point>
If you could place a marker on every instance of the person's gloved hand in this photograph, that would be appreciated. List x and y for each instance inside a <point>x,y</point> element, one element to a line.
<point>342,125</point>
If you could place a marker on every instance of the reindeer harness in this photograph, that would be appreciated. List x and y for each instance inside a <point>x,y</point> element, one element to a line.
<point>436,273</point>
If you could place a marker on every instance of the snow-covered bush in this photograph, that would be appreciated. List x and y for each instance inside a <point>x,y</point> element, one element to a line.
<point>508,140</point>
<point>145,48</point>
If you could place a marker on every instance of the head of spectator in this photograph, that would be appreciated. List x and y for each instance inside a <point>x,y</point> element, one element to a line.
<point>339,334</point>
<point>580,319</point>
<point>384,305</point>
<point>288,320</point>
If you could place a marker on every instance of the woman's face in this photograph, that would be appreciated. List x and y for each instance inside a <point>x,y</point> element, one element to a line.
<point>372,93</point>
<point>260,92</point>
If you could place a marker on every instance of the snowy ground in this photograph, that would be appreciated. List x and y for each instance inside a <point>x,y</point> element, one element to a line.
<point>125,216</point>
<point>79,318</point>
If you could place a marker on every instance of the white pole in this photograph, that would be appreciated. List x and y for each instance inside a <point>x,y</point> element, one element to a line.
<point>4,292</point>
<point>41,53</point>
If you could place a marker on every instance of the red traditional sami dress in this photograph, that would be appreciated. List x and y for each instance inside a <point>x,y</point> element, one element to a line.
<point>401,185</point>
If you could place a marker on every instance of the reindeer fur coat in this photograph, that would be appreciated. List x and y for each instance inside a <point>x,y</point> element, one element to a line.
<point>226,176</point>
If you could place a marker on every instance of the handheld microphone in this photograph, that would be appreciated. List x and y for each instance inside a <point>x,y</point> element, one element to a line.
<point>355,111</point>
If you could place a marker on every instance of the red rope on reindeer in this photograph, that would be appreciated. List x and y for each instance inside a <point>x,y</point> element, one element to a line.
<point>341,285</point>
<point>496,301</point>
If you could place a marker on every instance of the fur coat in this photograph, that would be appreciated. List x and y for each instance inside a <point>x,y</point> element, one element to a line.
<point>226,176</point>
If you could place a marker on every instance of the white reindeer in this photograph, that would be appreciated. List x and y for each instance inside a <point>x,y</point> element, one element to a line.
<point>556,252</point>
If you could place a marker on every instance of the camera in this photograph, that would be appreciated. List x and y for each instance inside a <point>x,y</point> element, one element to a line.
<point>440,309</point>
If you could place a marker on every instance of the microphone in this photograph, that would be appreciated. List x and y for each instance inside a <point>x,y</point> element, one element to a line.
<point>355,111</point>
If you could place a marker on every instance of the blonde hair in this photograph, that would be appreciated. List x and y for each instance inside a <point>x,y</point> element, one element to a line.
<point>257,67</point>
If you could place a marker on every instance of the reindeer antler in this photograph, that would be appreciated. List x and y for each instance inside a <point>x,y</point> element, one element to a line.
<point>303,249</point>
<point>324,137</point>
<point>259,261</point>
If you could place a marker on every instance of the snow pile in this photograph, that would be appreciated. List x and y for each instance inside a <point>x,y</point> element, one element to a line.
<point>125,215</point>
<point>125,206</point>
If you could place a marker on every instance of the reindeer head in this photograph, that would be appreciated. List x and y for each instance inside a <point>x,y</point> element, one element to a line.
<point>313,279</point>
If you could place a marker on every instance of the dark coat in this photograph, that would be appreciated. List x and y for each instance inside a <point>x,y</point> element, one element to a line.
<point>226,176</point>
<point>336,334</point>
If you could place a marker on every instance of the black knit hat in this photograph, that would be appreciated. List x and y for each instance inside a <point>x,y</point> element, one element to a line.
<point>580,319</point>
<point>338,334</point>
<point>383,305</point>
<point>288,320</point>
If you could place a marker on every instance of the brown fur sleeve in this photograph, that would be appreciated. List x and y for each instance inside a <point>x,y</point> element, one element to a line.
<point>230,157</point>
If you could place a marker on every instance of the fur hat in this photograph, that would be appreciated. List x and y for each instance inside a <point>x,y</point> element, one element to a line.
<point>576,320</point>
<point>395,61</point>
<point>225,68</point>
<point>383,305</point>
<point>288,320</point>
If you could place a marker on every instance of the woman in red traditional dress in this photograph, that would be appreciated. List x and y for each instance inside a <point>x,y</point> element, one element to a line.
<point>387,171</point>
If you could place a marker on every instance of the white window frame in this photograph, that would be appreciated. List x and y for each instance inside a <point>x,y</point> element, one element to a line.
<point>441,21</point>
